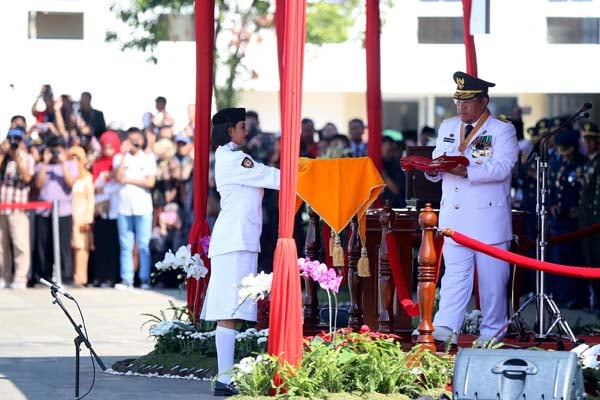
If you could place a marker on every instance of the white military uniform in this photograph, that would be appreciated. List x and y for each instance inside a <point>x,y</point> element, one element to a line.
<point>480,207</point>
<point>235,239</point>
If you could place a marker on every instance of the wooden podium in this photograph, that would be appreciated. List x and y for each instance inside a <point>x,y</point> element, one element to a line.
<point>373,299</point>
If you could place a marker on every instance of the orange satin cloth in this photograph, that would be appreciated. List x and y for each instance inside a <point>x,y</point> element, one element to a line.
<point>337,189</point>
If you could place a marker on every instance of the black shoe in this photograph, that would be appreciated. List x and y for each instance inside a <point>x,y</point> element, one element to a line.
<point>221,389</point>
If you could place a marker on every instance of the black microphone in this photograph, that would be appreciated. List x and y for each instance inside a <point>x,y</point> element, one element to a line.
<point>53,286</point>
<point>581,113</point>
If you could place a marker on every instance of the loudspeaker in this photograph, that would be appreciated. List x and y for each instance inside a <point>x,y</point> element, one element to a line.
<point>484,374</point>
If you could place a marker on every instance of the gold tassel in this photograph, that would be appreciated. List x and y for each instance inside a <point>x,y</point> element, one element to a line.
<point>338,252</point>
<point>363,264</point>
<point>331,244</point>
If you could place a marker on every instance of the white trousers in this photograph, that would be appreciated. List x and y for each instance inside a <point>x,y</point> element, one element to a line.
<point>457,285</point>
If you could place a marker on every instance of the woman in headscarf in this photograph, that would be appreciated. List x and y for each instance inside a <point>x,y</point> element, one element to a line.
<point>105,258</point>
<point>83,217</point>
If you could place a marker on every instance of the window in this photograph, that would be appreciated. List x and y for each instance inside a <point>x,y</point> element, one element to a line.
<point>55,25</point>
<point>177,27</point>
<point>440,30</point>
<point>573,30</point>
<point>401,115</point>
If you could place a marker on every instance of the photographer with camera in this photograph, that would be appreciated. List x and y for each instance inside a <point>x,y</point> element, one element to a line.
<point>16,170</point>
<point>55,176</point>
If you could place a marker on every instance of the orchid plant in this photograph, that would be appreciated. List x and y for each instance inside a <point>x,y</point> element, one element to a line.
<point>328,280</point>
<point>191,265</point>
<point>254,287</point>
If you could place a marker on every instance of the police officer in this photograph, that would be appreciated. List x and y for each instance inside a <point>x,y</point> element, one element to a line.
<point>564,187</point>
<point>475,201</point>
<point>235,239</point>
<point>589,200</point>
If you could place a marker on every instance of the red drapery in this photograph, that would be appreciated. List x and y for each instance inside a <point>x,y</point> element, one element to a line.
<point>469,39</point>
<point>285,324</point>
<point>374,113</point>
<point>205,33</point>
<point>280,29</point>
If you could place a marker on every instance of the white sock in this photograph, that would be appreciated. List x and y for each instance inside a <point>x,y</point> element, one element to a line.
<point>225,341</point>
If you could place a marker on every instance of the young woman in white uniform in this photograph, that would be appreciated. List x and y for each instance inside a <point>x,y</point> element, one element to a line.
<point>235,239</point>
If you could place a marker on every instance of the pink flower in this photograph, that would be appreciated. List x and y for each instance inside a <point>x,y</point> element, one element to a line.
<point>330,280</point>
<point>317,270</point>
<point>205,242</point>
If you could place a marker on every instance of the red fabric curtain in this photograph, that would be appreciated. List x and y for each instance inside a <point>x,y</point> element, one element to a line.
<point>469,39</point>
<point>373,54</point>
<point>280,29</point>
<point>205,46</point>
<point>285,323</point>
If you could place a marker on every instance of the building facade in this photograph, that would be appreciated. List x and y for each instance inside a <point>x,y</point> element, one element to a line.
<point>542,55</point>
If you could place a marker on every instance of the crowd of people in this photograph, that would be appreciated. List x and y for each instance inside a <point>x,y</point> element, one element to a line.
<point>125,196</point>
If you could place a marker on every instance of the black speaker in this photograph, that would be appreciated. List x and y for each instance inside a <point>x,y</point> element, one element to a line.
<point>486,374</point>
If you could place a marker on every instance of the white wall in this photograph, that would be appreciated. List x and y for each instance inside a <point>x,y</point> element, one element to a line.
<point>515,56</point>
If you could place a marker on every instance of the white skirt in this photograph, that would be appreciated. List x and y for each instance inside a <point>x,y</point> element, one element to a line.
<point>222,299</point>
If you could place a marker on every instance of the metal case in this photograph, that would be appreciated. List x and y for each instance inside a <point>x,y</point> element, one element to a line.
<point>484,374</point>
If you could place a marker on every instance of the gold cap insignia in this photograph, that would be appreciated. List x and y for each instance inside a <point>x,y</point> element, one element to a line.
<point>460,82</point>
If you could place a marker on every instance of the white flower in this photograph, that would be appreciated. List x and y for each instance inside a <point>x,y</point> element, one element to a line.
<point>263,333</point>
<point>167,262</point>
<point>255,287</point>
<point>246,365</point>
<point>261,340</point>
<point>197,271</point>
<point>588,355</point>
<point>580,349</point>
<point>163,327</point>
<point>182,257</point>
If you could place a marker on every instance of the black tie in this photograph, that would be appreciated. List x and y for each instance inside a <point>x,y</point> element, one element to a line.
<point>468,129</point>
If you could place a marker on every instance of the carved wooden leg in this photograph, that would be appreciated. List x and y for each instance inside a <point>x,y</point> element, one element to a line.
<point>427,277</point>
<point>355,318</point>
<point>312,246</point>
<point>386,283</point>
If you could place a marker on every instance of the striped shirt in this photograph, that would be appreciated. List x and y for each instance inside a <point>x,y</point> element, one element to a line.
<point>13,189</point>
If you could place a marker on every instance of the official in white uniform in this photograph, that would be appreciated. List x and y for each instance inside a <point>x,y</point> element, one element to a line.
<point>475,201</point>
<point>235,239</point>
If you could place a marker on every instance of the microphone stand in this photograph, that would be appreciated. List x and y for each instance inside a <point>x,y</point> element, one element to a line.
<point>80,338</point>
<point>544,302</point>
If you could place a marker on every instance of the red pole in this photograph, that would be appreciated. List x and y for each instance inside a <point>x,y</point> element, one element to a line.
<point>374,106</point>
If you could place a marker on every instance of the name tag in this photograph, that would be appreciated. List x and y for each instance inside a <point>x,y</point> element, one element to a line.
<point>449,140</point>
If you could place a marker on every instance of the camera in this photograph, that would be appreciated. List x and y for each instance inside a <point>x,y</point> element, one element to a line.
<point>84,141</point>
<point>14,137</point>
<point>14,141</point>
<point>55,153</point>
